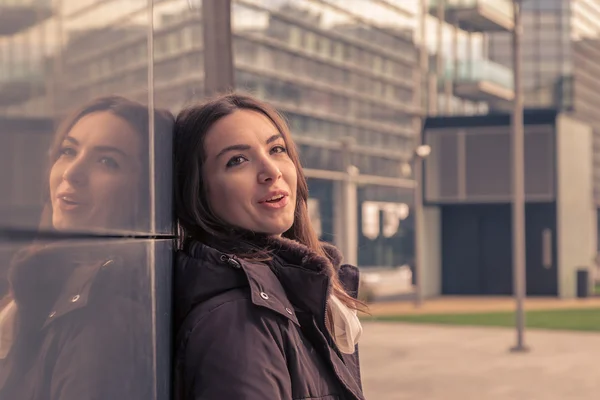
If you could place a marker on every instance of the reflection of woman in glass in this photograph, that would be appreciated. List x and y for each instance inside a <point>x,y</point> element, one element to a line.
<point>262,308</point>
<point>77,322</point>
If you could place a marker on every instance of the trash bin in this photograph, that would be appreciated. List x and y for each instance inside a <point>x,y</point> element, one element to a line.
<point>583,283</point>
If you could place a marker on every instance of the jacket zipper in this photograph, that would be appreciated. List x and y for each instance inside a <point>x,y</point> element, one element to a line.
<point>328,335</point>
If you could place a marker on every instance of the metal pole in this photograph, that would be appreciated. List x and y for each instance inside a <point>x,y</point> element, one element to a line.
<point>423,74</point>
<point>439,68</point>
<point>424,107</point>
<point>418,229</point>
<point>518,181</point>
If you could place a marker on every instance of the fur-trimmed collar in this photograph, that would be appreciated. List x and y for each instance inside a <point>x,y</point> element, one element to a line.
<point>296,253</point>
<point>37,273</point>
<point>292,251</point>
<point>41,275</point>
<point>293,273</point>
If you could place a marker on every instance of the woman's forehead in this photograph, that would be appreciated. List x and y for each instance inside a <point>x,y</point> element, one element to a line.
<point>239,128</point>
<point>106,130</point>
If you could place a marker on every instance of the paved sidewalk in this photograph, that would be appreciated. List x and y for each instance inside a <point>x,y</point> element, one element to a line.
<point>463,304</point>
<point>424,362</point>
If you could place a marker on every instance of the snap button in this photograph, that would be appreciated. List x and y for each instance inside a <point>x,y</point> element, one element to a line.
<point>289,311</point>
<point>107,263</point>
<point>264,295</point>
<point>75,298</point>
<point>52,314</point>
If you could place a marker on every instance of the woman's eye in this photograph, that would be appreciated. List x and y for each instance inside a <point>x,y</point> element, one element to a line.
<point>109,162</point>
<point>278,149</point>
<point>237,160</point>
<point>67,151</point>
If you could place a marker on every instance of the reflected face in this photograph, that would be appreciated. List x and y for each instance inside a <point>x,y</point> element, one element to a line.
<point>96,180</point>
<point>251,180</point>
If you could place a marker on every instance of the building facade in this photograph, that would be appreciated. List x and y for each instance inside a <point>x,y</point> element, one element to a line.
<point>560,61</point>
<point>468,184</point>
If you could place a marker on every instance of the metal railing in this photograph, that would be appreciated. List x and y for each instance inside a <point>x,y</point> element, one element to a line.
<point>503,7</point>
<point>479,71</point>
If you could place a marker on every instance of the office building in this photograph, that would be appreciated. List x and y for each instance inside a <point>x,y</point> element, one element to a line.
<point>468,181</point>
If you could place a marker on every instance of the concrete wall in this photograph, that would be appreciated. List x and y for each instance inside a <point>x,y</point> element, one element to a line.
<point>576,213</point>
<point>431,240</point>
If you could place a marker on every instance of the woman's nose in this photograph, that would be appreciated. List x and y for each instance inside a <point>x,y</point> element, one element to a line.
<point>76,173</point>
<point>269,172</point>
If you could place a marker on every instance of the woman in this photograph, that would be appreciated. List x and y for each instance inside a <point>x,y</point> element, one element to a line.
<point>77,323</point>
<point>260,309</point>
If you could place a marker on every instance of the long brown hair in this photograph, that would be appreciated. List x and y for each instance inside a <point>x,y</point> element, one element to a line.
<point>196,219</point>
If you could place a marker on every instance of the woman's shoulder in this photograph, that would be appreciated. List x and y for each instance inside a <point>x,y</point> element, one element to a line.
<point>349,276</point>
<point>232,311</point>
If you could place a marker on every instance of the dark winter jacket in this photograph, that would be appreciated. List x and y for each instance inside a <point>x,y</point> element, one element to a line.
<point>84,325</point>
<point>256,330</point>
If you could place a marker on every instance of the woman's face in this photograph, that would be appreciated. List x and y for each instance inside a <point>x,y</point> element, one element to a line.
<point>95,182</point>
<point>251,180</point>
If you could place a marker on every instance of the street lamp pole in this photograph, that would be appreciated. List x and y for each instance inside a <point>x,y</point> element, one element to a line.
<point>420,153</point>
<point>518,183</point>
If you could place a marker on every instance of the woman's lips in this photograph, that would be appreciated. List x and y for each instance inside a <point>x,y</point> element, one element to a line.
<point>274,205</point>
<point>67,204</point>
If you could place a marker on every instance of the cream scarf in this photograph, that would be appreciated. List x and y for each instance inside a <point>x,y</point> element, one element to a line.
<point>346,324</point>
<point>7,328</point>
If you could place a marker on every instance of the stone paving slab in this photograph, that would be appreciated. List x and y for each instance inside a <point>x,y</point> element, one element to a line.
<point>429,362</point>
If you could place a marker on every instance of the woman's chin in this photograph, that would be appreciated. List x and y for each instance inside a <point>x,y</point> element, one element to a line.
<point>68,225</point>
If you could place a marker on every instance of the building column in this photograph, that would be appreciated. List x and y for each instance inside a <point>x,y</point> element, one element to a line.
<point>345,213</point>
<point>430,240</point>
<point>218,47</point>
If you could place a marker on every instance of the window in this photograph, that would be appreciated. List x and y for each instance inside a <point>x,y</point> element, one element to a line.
<point>172,42</point>
<point>324,46</point>
<point>187,37</point>
<point>349,53</point>
<point>310,42</point>
<point>295,36</point>
<point>337,51</point>
<point>377,64</point>
<point>377,89</point>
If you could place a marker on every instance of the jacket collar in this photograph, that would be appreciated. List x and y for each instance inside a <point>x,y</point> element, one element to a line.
<point>295,277</point>
<point>52,280</point>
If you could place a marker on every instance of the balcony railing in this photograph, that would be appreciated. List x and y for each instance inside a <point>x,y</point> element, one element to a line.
<point>481,80</point>
<point>20,83</point>
<point>477,15</point>
<point>18,15</point>
<point>480,70</point>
